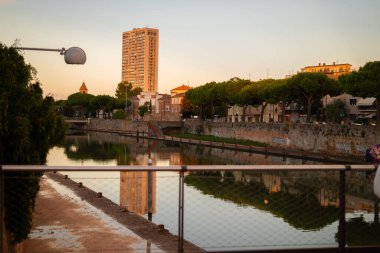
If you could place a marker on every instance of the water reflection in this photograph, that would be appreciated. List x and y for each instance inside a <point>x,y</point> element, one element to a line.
<point>257,208</point>
<point>136,192</point>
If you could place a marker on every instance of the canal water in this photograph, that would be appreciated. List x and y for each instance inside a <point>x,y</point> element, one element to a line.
<point>226,210</point>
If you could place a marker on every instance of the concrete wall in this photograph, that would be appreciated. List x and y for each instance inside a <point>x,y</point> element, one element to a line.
<point>117,125</point>
<point>334,139</point>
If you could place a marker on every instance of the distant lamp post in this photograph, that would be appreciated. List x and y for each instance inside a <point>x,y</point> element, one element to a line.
<point>73,55</point>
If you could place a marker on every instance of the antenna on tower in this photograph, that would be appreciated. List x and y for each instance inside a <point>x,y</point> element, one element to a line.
<point>267,73</point>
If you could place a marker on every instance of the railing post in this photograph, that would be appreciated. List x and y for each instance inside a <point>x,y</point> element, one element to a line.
<point>150,209</point>
<point>342,209</point>
<point>1,208</point>
<point>181,206</point>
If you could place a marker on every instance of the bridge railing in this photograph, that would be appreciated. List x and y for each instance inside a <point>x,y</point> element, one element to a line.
<point>264,208</point>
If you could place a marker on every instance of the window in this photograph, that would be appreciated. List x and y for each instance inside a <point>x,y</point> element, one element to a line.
<point>353,101</point>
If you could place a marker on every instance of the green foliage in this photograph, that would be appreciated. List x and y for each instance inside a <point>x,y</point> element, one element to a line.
<point>80,102</point>
<point>29,125</point>
<point>188,109</point>
<point>361,232</point>
<point>119,114</point>
<point>122,86</point>
<point>336,111</point>
<point>297,209</point>
<point>364,83</point>
<point>103,102</point>
<point>199,129</point>
<point>310,88</point>
<point>142,110</point>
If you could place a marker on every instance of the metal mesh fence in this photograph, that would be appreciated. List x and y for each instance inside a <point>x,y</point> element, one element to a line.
<point>224,210</point>
<point>256,210</point>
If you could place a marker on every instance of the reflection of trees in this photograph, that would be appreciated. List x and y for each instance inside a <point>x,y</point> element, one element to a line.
<point>359,232</point>
<point>198,155</point>
<point>301,210</point>
<point>82,149</point>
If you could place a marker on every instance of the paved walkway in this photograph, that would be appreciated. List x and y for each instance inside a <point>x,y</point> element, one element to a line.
<point>65,223</point>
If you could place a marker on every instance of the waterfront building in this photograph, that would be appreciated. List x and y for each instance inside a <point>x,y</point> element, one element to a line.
<point>145,98</point>
<point>140,58</point>
<point>332,71</point>
<point>272,113</point>
<point>361,110</point>
<point>164,105</point>
<point>177,96</point>
<point>83,88</point>
<point>179,90</point>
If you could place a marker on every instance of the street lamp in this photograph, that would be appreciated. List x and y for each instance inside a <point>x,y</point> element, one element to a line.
<point>73,55</point>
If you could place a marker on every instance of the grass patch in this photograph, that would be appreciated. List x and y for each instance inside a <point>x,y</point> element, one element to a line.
<point>219,139</point>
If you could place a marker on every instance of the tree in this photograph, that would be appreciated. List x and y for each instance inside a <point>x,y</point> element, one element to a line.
<point>279,94</point>
<point>235,95</point>
<point>312,87</point>
<point>103,102</point>
<point>365,83</point>
<point>29,126</point>
<point>122,86</point>
<point>142,110</point>
<point>203,98</point>
<point>187,108</point>
<point>119,114</point>
<point>336,111</point>
<point>81,102</point>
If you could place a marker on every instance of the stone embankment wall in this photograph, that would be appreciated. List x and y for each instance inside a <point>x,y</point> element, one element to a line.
<point>116,125</point>
<point>330,139</point>
<point>350,140</point>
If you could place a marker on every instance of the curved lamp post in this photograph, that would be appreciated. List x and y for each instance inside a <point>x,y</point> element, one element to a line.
<point>73,55</point>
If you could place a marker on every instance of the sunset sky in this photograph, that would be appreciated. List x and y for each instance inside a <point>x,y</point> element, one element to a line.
<point>200,40</point>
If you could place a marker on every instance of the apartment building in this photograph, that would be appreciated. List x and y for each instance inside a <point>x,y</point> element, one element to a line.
<point>332,71</point>
<point>140,58</point>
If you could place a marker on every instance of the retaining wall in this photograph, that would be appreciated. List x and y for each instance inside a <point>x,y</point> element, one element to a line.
<point>350,140</point>
<point>116,125</point>
<point>331,139</point>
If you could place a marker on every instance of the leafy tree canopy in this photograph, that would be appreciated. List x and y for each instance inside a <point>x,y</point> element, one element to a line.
<point>28,127</point>
<point>312,87</point>
<point>336,111</point>
<point>122,86</point>
<point>365,82</point>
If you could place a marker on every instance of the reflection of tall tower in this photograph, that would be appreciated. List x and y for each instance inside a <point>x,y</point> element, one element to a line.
<point>271,182</point>
<point>134,191</point>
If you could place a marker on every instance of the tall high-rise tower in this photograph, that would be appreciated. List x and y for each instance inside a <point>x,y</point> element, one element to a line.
<point>140,58</point>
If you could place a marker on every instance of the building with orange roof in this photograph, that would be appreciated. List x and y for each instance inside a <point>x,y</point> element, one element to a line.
<point>181,89</point>
<point>332,71</point>
<point>177,96</point>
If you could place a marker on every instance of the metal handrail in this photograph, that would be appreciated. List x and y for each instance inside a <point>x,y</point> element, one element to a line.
<point>297,167</point>
<point>342,245</point>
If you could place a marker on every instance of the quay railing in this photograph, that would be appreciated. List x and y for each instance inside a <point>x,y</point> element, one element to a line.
<point>229,208</point>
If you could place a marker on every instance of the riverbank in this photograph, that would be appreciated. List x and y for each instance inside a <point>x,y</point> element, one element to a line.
<point>267,150</point>
<point>348,141</point>
<point>331,144</point>
<point>73,218</point>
